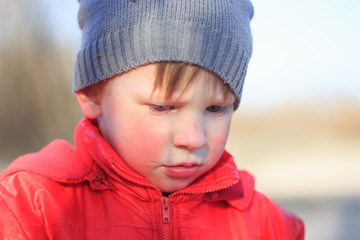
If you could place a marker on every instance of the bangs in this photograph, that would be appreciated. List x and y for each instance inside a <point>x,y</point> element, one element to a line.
<point>177,77</point>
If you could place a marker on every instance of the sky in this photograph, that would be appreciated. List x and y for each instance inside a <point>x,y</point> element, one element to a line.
<point>302,49</point>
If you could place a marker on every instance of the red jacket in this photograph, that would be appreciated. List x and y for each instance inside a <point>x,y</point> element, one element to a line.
<point>88,192</point>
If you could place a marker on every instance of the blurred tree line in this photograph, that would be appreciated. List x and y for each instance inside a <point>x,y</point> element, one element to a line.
<point>36,101</point>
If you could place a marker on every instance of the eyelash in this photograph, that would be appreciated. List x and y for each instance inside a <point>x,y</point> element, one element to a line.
<point>162,109</point>
<point>218,110</point>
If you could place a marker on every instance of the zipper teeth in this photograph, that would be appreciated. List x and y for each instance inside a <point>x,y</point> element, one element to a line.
<point>118,171</point>
<point>207,191</point>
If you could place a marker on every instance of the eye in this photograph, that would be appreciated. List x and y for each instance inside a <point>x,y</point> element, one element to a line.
<point>215,109</point>
<point>160,108</point>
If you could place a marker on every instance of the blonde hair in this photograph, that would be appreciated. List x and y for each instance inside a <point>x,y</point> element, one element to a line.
<point>178,76</point>
<point>172,77</point>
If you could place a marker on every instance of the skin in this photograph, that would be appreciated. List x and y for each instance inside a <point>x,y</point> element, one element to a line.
<point>171,142</point>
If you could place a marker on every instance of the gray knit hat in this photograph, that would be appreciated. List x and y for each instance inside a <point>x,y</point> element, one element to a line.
<point>118,35</point>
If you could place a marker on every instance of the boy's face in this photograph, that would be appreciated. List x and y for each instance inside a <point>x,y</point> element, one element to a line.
<point>171,142</point>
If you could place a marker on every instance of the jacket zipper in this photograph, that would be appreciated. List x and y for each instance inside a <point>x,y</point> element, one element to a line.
<point>166,217</point>
<point>165,203</point>
<point>166,209</point>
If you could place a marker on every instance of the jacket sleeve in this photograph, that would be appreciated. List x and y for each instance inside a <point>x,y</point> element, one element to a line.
<point>10,227</point>
<point>19,218</point>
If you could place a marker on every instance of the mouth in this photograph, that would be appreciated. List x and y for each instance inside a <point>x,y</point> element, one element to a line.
<point>184,170</point>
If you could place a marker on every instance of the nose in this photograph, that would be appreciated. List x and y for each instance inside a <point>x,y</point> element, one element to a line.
<point>190,134</point>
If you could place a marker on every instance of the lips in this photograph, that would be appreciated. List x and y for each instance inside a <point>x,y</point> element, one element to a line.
<point>182,171</point>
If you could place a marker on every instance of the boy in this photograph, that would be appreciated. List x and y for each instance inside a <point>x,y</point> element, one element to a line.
<point>158,82</point>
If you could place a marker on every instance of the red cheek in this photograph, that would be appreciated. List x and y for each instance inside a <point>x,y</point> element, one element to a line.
<point>146,142</point>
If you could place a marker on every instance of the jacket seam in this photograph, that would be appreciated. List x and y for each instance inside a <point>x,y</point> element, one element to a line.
<point>95,229</point>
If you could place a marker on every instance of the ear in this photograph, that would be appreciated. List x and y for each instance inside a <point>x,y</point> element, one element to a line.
<point>90,107</point>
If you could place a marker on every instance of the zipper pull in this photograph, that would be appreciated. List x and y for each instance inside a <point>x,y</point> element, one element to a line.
<point>166,209</point>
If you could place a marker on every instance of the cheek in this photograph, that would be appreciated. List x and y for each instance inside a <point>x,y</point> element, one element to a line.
<point>141,141</point>
<point>219,138</point>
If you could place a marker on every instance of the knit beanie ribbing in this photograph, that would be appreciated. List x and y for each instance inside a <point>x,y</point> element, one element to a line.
<point>118,35</point>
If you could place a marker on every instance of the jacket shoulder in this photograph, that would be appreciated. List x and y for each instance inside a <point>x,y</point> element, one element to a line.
<point>58,161</point>
<point>277,222</point>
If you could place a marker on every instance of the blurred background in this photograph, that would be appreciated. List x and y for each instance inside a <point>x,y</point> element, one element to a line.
<point>298,126</point>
